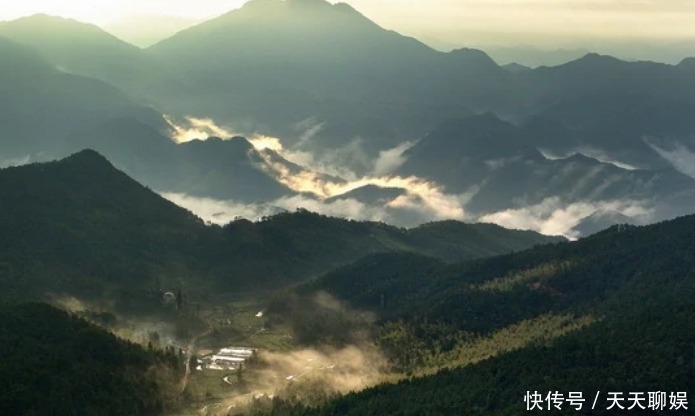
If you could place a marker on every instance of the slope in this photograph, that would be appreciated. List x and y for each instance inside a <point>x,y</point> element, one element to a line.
<point>80,226</point>
<point>40,106</point>
<point>56,363</point>
<point>625,294</point>
<point>84,49</point>
<point>502,163</point>
<point>287,61</point>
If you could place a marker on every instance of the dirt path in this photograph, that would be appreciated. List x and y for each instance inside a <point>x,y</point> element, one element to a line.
<point>189,354</point>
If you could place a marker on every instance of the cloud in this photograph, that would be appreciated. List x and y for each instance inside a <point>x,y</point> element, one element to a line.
<point>588,151</point>
<point>320,178</point>
<point>324,185</point>
<point>406,210</point>
<point>263,142</point>
<point>192,128</point>
<point>391,159</point>
<point>554,217</point>
<point>679,156</point>
<point>308,128</point>
<point>335,162</point>
<point>220,212</point>
<point>18,161</point>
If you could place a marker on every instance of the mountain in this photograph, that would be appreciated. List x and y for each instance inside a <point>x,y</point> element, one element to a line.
<point>226,169</point>
<point>217,168</point>
<point>533,57</point>
<point>49,114</point>
<point>59,364</point>
<point>41,106</point>
<point>84,49</point>
<point>370,194</point>
<point>600,221</point>
<point>515,68</point>
<point>82,227</point>
<point>68,43</point>
<point>287,61</point>
<point>687,63</point>
<point>503,164</point>
<point>89,224</point>
<point>581,316</point>
<point>401,82</point>
<point>356,90</point>
<point>614,104</point>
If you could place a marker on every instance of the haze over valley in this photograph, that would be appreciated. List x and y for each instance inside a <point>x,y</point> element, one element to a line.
<point>304,207</point>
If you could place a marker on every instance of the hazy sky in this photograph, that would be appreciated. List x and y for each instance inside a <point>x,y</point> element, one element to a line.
<point>446,22</point>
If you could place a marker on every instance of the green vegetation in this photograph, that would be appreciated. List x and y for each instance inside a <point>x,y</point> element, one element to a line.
<point>612,312</point>
<point>80,226</point>
<point>55,363</point>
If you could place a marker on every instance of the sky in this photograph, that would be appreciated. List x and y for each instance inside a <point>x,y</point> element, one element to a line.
<point>441,23</point>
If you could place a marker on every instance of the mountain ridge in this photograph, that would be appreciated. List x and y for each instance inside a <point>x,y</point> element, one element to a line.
<point>100,233</point>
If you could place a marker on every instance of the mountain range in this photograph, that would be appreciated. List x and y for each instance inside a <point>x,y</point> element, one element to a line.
<point>597,132</point>
<point>366,192</point>
<point>80,226</point>
<point>479,336</point>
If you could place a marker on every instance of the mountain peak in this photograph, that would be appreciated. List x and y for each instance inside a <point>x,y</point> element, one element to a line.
<point>593,59</point>
<point>290,6</point>
<point>293,3</point>
<point>292,13</point>
<point>50,23</point>
<point>87,157</point>
<point>687,63</point>
<point>473,56</point>
<point>43,31</point>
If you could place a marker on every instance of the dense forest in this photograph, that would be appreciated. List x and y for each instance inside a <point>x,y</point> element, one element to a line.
<point>54,363</point>
<point>612,312</point>
<point>81,226</point>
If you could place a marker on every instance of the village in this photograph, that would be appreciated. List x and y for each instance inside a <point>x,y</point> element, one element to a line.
<point>226,359</point>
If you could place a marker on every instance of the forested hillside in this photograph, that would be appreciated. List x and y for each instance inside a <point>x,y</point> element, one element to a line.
<point>612,312</point>
<point>80,226</point>
<point>57,364</point>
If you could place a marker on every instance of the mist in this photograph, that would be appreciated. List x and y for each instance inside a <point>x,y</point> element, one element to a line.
<point>139,330</point>
<point>12,162</point>
<point>552,216</point>
<point>588,151</point>
<point>680,157</point>
<point>391,159</point>
<point>327,184</point>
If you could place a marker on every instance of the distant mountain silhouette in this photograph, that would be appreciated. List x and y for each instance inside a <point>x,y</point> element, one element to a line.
<point>324,76</point>
<point>502,163</point>
<point>600,221</point>
<point>286,61</point>
<point>215,168</point>
<point>84,49</point>
<point>370,194</point>
<point>614,104</point>
<point>40,106</point>
<point>82,227</point>
<point>516,68</point>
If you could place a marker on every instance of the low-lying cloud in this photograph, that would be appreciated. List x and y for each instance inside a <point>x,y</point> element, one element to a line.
<point>192,128</point>
<point>324,184</point>
<point>678,155</point>
<point>17,161</point>
<point>391,159</point>
<point>588,151</point>
<point>552,216</point>
<point>402,211</point>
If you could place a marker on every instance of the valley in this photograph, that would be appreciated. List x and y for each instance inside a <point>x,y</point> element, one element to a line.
<point>292,208</point>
